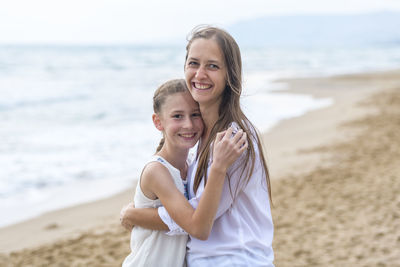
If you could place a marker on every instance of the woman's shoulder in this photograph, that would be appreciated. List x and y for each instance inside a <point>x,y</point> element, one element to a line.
<point>249,128</point>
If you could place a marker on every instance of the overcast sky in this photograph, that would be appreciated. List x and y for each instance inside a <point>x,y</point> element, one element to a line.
<point>144,21</point>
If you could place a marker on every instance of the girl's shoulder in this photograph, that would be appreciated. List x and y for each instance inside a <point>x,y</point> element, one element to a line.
<point>156,167</point>
<point>156,162</point>
<point>153,173</point>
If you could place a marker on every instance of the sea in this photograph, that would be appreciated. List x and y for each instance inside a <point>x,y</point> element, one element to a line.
<point>75,121</point>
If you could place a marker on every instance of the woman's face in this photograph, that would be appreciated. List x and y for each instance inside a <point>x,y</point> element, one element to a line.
<point>205,72</point>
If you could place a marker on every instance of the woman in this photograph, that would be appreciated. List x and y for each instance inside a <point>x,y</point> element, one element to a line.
<point>243,230</point>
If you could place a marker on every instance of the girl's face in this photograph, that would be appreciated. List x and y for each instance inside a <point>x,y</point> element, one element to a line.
<point>205,71</point>
<point>180,120</point>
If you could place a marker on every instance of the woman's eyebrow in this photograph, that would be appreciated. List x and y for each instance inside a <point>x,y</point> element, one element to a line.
<point>209,60</point>
<point>192,58</point>
<point>214,61</point>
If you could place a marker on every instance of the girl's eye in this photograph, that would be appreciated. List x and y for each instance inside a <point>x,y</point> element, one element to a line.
<point>177,116</point>
<point>196,115</point>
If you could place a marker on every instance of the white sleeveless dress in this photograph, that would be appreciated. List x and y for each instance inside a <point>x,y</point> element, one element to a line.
<point>151,247</point>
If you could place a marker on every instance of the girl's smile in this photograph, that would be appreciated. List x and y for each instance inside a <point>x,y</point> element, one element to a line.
<point>180,121</point>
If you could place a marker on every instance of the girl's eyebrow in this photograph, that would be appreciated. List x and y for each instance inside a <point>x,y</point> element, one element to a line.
<point>181,111</point>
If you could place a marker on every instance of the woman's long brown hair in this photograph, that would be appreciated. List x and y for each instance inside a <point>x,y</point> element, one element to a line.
<point>229,109</point>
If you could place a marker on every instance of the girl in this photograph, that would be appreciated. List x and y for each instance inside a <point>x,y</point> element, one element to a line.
<point>177,116</point>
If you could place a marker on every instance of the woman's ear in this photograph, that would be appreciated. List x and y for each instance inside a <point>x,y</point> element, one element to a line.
<point>157,122</point>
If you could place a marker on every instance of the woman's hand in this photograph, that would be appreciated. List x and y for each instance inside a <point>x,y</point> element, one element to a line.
<point>144,217</point>
<point>126,211</point>
<point>228,147</point>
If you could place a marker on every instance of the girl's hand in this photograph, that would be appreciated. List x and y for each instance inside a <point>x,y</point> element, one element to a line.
<point>228,147</point>
<point>124,216</point>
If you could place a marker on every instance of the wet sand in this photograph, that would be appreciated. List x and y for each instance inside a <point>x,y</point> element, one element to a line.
<point>335,181</point>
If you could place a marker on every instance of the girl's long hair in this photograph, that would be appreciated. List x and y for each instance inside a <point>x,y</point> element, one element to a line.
<point>229,110</point>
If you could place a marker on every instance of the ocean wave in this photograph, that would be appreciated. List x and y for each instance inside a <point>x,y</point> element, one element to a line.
<point>42,102</point>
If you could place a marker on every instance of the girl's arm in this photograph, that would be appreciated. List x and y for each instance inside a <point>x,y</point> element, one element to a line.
<point>197,223</point>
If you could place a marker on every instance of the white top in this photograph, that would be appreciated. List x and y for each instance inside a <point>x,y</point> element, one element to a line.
<point>243,229</point>
<point>151,247</point>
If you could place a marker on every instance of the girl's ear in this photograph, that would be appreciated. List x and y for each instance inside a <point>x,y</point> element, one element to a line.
<point>157,122</point>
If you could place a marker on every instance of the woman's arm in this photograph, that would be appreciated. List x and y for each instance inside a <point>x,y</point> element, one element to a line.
<point>143,217</point>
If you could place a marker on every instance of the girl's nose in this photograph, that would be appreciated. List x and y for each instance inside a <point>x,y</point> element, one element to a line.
<point>188,123</point>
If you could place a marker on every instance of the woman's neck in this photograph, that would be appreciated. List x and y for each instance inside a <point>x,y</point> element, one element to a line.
<point>210,116</point>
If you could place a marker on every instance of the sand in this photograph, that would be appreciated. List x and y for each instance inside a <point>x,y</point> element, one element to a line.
<point>346,212</point>
<point>335,181</point>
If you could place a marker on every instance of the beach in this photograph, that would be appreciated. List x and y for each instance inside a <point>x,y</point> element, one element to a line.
<point>335,181</point>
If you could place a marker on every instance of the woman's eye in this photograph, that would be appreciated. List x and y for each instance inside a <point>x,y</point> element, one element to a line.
<point>192,63</point>
<point>213,66</point>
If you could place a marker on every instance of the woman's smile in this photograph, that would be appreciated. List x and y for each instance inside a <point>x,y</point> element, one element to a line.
<point>205,72</point>
<point>201,86</point>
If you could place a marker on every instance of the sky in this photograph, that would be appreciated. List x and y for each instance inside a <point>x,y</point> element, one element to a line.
<point>149,21</point>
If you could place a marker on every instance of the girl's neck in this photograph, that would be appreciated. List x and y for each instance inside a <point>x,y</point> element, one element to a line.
<point>175,158</point>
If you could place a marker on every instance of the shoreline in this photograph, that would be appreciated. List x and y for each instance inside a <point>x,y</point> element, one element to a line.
<point>289,150</point>
<point>346,91</point>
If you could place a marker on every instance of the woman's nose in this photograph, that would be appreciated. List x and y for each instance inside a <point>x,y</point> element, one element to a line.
<point>200,72</point>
